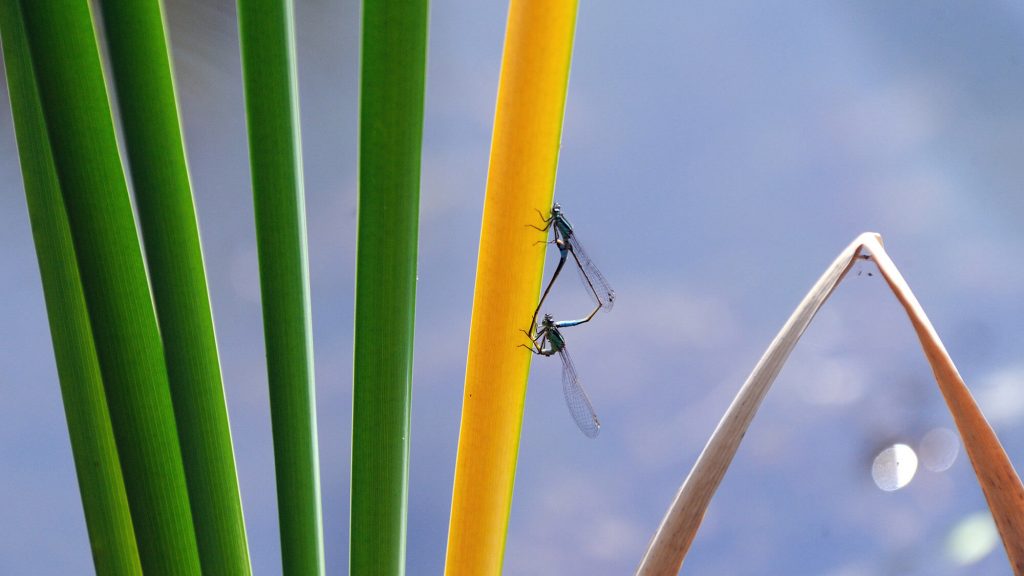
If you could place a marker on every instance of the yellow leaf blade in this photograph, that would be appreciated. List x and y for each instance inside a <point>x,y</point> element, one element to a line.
<point>520,182</point>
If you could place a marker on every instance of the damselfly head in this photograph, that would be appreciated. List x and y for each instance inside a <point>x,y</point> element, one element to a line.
<point>548,320</point>
<point>556,209</point>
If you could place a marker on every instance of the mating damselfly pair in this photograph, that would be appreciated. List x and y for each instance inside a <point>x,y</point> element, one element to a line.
<point>548,339</point>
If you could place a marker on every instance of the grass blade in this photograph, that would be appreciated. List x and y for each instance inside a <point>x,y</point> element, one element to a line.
<point>69,77</point>
<point>163,194</point>
<point>520,181</point>
<point>999,481</point>
<point>100,482</point>
<point>391,129</point>
<point>275,154</point>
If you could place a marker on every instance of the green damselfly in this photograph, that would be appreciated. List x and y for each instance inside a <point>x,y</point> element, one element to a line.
<point>548,342</point>
<point>567,242</point>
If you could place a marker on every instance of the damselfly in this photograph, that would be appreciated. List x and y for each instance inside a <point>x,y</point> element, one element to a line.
<point>565,239</point>
<point>549,342</point>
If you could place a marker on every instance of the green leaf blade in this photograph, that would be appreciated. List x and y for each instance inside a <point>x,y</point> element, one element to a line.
<point>100,483</point>
<point>74,101</point>
<point>272,110</point>
<point>391,131</point>
<point>149,116</point>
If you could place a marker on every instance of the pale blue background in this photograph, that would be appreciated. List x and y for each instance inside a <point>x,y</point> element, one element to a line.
<point>716,157</point>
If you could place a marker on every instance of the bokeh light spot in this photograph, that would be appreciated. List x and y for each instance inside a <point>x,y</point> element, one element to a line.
<point>894,467</point>
<point>939,449</point>
<point>972,539</point>
<point>1001,396</point>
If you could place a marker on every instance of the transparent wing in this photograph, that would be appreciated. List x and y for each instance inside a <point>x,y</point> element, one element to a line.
<point>595,282</point>
<point>576,398</point>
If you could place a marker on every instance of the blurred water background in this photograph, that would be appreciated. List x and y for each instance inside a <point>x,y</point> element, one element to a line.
<point>716,157</point>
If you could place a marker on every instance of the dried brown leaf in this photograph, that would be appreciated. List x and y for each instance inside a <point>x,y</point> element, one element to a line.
<point>996,475</point>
